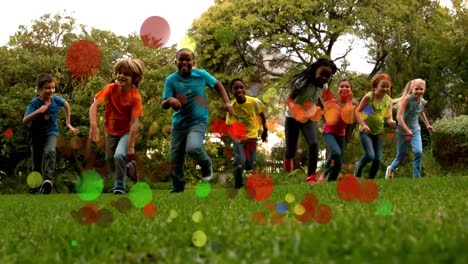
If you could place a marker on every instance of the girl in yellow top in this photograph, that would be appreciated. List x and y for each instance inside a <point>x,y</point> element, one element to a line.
<point>374,107</point>
<point>244,128</point>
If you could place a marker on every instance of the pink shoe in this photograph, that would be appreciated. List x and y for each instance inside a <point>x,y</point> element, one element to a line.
<point>288,164</point>
<point>312,179</point>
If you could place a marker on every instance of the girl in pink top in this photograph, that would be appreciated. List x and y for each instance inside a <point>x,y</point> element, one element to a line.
<point>341,113</point>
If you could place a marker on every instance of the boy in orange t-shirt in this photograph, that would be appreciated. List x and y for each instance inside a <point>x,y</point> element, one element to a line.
<point>123,109</point>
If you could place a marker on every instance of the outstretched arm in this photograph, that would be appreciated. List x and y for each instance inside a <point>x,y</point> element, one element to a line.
<point>134,126</point>
<point>359,109</point>
<point>426,122</point>
<point>401,110</point>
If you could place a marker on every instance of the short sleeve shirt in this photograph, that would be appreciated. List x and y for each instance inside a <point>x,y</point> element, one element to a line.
<point>46,123</point>
<point>247,114</point>
<point>191,93</point>
<point>120,107</point>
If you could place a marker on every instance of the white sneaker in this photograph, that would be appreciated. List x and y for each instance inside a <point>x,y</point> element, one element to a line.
<point>388,173</point>
<point>207,178</point>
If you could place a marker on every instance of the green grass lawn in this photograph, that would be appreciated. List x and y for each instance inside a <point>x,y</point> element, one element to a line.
<point>426,222</point>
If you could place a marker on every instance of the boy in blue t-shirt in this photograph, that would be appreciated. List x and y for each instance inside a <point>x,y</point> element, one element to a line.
<point>184,92</point>
<point>41,119</point>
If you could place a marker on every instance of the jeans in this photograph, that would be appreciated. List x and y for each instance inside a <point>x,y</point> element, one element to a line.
<point>44,155</point>
<point>190,141</point>
<point>245,154</point>
<point>116,150</point>
<point>309,130</point>
<point>336,146</point>
<point>402,150</point>
<point>373,147</point>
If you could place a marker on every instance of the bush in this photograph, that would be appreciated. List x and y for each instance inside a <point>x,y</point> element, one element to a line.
<point>450,143</point>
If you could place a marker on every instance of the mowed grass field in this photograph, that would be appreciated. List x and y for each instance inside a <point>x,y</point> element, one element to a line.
<point>410,221</point>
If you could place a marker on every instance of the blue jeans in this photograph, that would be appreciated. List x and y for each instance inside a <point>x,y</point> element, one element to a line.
<point>245,154</point>
<point>44,153</point>
<point>373,147</point>
<point>309,130</point>
<point>336,146</point>
<point>116,150</point>
<point>190,141</point>
<point>402,150</point>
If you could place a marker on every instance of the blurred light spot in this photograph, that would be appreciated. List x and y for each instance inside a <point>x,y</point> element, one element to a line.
<point>188,43</point>
<point>289,198</point>
<point>323,214</point>
<point>74,243</point>
<point>105,217</point>
<point>197,216</point>
<point>140,194</point>
<point>90,186</point>
<point>8,133</point>
<point>259,218</point>
<point>390,136</point>
<point>219,128</point>
<point>270,206</point>
<point>347,114</point>
<point>237,130</point>
<point>203,189</point>
<point>281,208</point>
<point>199,238</point>
<point>155,32</point>
<point>173,214</point>
<point>276,219</point>
<point>83,59</point>
<point>122,204</point>
<point>368,110</point>
<point>149,210</point>
<point>299,209</point>
<point>259,186</point>
<point>369,191</point>
<point>34,179</point>
<point>224,35</point>
<point>384,207</point>
<point>348,187</point>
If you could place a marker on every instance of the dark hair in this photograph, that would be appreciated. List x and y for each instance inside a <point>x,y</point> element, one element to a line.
<point>231,84</point>
<point>132,67</point>
<point>42,79</point>
<point>187,50</point>
<point>307,76</point>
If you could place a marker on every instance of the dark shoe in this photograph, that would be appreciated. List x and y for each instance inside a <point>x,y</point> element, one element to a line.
<point>46,186</point>
<point>178,186</point>
<point>34,191</point>
<point>131,171</point>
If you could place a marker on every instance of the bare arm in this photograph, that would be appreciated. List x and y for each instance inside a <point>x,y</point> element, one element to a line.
<point>390,120</point>
<point>401,111</point>
<point>222,92</point>
<point>67,112</point>
<point>359,109</point>
<point>93,127</point>
<point>265,129</point>
<point>171,102</point>
<point>426,122</point>
<point>27,119</point>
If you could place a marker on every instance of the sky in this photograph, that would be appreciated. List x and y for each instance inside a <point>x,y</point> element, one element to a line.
<point>126,17</point>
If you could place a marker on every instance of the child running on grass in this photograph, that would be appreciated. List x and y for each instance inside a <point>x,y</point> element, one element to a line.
<point>307,88</point>
<point>334,129</point>
<point>249,110</point>
<point>410,108</point>
<point>375,106</point>
<point>123,110</point>
<point>184,92</point>
<point>41,119</point>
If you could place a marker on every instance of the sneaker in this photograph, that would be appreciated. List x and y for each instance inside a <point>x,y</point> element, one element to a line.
<point>207,178</point>
<point>288,164</point>
<point>178,186</point>
<point>312,179</point>
<point>131,171</point>
<point>46,186</point>
<point>357,170</point>
<point>118,191</point>
<point>322,177</point>
<point>388,173</point>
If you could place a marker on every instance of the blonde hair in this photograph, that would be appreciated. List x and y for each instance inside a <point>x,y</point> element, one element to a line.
<point>132,67</point>
<point>408,90</point>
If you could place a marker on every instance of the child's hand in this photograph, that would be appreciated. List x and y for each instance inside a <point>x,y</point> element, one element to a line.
<point>365,129</point>
<point>430,129</point>
<point>175,103</point>
<point>43,108</point>
<point>230,109</point>
<point>409,132</point>
<point>392,123</point>
<point>94,133</point>
<point>264,135</point>
<point>72,129</point>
